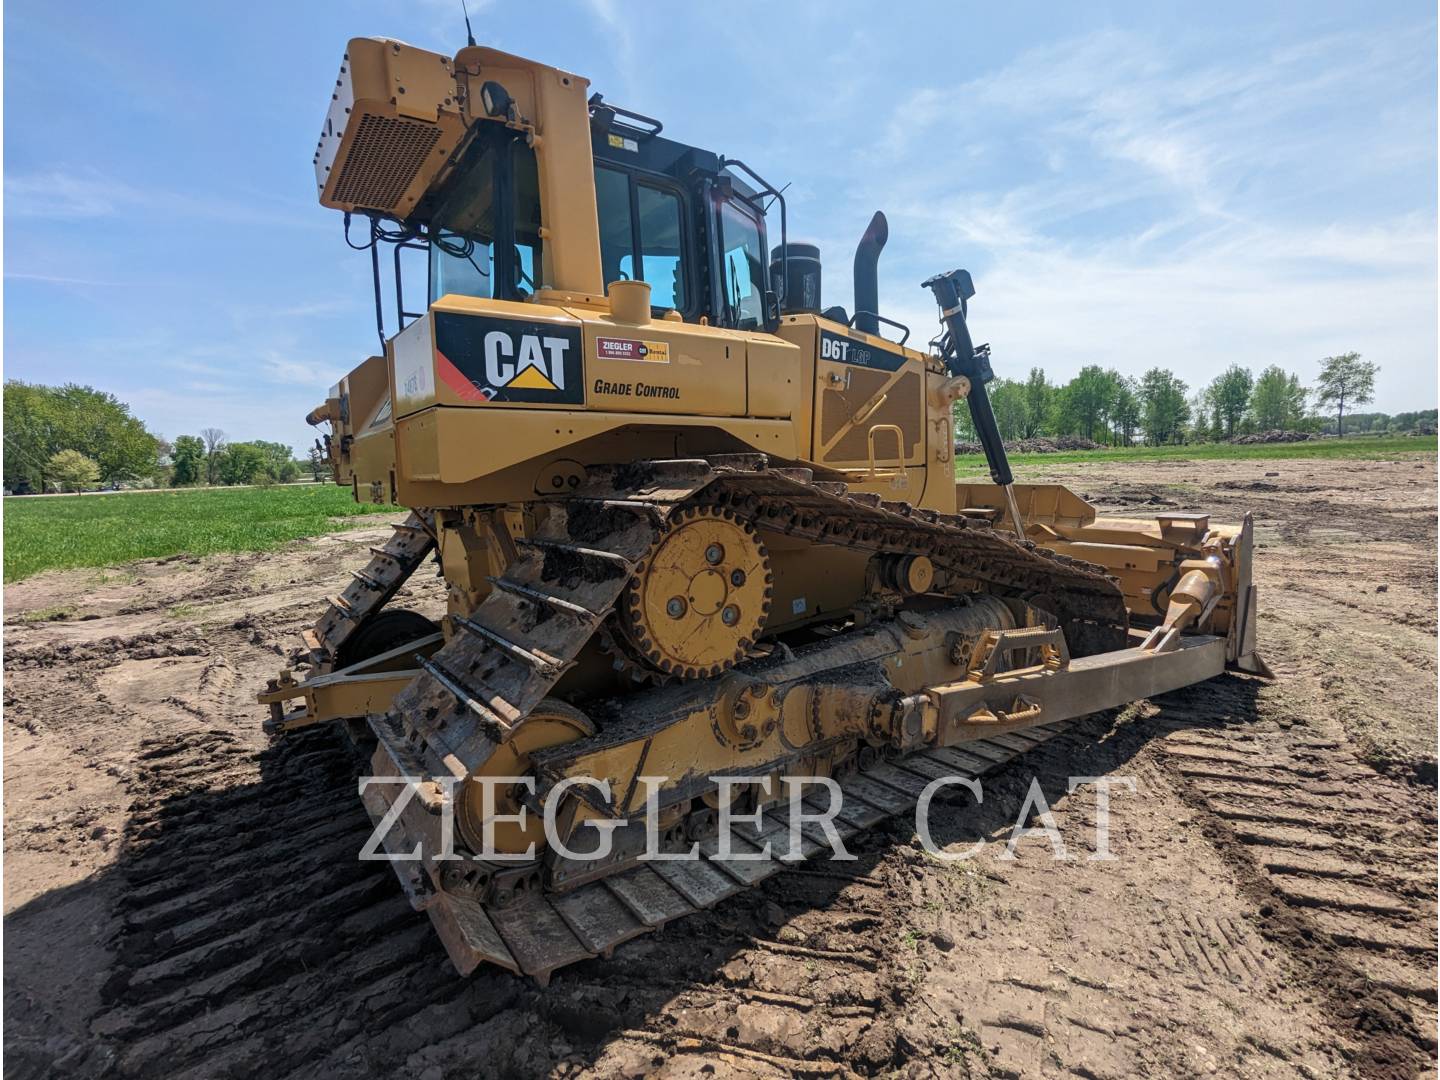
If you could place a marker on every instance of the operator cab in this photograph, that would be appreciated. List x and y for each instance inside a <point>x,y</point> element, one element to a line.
<point>680,219</point>
<point>677,217</point>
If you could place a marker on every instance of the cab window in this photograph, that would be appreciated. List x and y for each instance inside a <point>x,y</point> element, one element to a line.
<point>660,249</point>
<point>642,237</point>
<point>617,228</point>
<point>459,264</point>
<point>742,268</point>
<point>462,242</point>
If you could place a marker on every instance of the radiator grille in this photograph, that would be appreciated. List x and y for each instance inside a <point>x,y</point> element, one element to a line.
<point>384,158</point>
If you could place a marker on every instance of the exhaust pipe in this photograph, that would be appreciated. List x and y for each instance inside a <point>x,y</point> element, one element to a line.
<point>867,283</point>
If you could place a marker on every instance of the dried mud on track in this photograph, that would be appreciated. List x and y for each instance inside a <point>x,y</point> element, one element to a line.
<point>182,900</point>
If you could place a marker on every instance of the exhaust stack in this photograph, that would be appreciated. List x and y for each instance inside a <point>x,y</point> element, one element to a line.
<point>867,283</point>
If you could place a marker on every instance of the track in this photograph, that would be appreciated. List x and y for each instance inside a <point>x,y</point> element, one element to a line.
<point>478,690</point>
<point>371,588</point>
<point>550,602</point>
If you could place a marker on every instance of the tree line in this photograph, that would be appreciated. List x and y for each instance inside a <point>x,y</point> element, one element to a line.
<point>1159,407</point>
<point>75,438</point>
<point>211,458</point>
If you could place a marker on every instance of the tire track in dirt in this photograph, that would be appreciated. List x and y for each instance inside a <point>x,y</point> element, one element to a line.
<point>251,934</point>
<point>1339,859</point>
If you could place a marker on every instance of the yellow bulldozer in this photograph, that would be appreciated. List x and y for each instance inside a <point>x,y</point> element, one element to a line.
<point>700,534</point>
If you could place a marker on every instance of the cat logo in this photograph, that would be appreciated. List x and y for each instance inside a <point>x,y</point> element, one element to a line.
<point>540,365</point>
<point>483,359</point>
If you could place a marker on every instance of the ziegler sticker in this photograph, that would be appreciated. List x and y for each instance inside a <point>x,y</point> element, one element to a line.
<point>485,359</point>
<point>651,352</point>
<point>844,350</point>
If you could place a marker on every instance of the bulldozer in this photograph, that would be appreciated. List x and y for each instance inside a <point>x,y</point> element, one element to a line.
<point>704,553</point>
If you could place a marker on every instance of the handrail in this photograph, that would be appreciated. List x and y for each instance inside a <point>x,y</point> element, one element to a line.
<point>767,188</point>
<point>888,322</point>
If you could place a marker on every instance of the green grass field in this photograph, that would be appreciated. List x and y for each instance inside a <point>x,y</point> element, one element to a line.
<point>63,532</point>
<point>1362,448</point>
<point>103,530</point>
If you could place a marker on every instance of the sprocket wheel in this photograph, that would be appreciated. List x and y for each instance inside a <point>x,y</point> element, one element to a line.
<point>699,598</point>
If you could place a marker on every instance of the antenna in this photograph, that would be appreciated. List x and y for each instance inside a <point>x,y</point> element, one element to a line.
<point>469,34</point>
<point>776,196</point>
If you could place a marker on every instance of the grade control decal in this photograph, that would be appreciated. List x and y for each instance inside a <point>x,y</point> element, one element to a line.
<point>649,352</point>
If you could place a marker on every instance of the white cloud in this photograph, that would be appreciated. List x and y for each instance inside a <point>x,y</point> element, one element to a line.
<point>1261,297</point>
<point>1180,215</point>
<point>282,367</point>
<point>63,279</point>
<point>62,194</point>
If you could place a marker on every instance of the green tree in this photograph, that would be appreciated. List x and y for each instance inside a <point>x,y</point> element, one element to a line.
<point>1229,397</point>
<point>1205,422</point>
<point>215,443</point>
<point>1061,419</point>
<point>279,460</point>
<point>1125,410</point>
<point>1346,379</point>
<point>29,441</point>
<point>1039,398</point>
<point>1163,408</point>
<point>1007,401</point>
<point>1423,421</point>
<point>72,470</point>
<point>1278,400</point>
<point>1088,398</point>
<point>187,461</point>
<point>239,463</point>
<point>40,421</point>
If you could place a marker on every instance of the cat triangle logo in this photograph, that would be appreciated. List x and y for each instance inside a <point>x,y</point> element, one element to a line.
<point>532,378</point>
<point>503,361</point>
<point>532,363</point>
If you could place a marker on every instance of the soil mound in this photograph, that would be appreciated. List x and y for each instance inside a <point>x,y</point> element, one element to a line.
<point>1041,445</point>
<point>1272,437</point>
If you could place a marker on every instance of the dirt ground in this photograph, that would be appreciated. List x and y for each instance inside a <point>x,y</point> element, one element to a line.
<point>182,900</point>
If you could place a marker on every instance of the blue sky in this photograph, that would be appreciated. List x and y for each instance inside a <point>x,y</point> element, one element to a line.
<point>1130,184</point>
